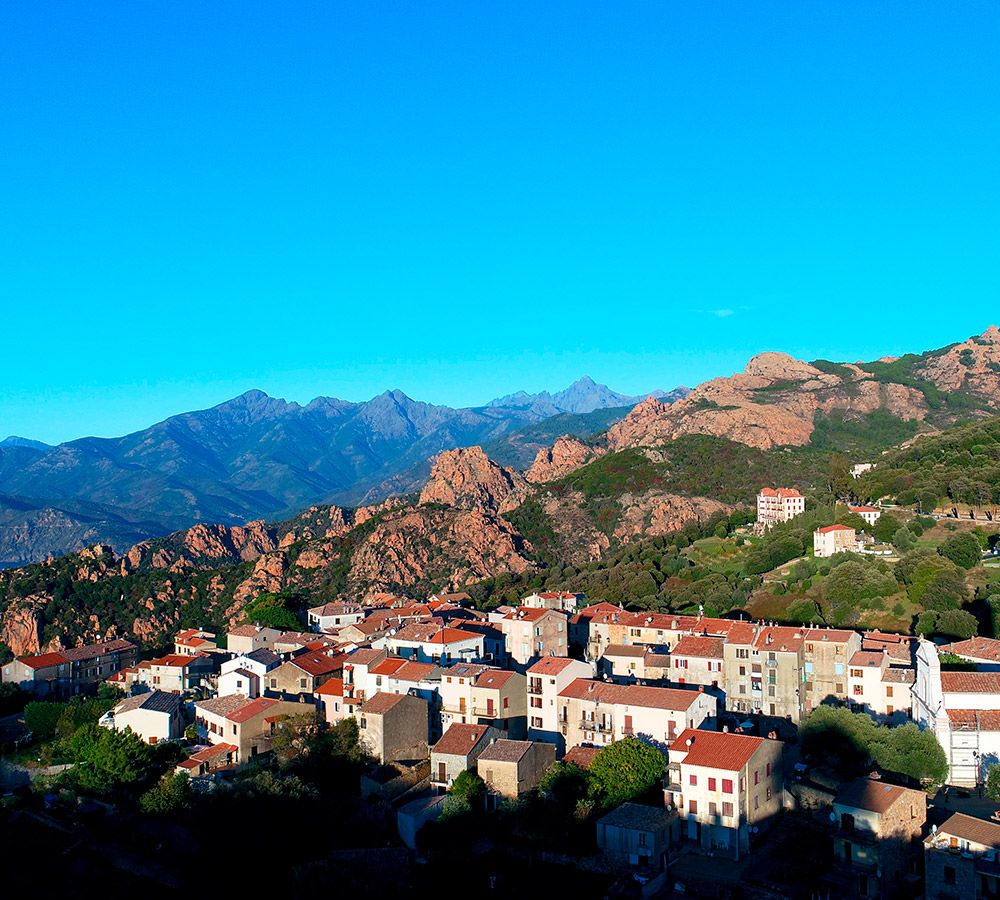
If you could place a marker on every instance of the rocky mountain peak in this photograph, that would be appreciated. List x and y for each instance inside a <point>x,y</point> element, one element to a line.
<point>564,456</point>
<point>467,478</point>
<point>780,367</point>
<point>972,366</point>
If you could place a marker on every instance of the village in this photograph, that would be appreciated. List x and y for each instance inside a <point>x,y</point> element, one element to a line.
<point>440,692</point>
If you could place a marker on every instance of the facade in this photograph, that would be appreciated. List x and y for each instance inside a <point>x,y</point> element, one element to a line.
<point>597,713</point>
<point>180,672</point>
<point>776,505</point>
<point>869,513</point>
<point>590,629</point>
<point>825,657</point>
<point>247,638</point>
<point>458,751</point>
<point>241,722</point>
<point>331,617</point>
<point>499,698</point>
<point>330,697</point>
<point>723,786</point>
<point>763,669</point>
<point>512,768</point>
<point>393,727</point>
<point>545,679</point>
<point>300,676</point>
<point>877,837</point>
<point>636,835</point>
<point>698,660</point>
<point>246,674</point>
<point>154,716</point>
<point>429,642</point>
<point>878,688</point>
<point>833,539</point>
<point>534,633</point>
<point>633,662</point>
<point>962,859</point>
<point>561,600</point>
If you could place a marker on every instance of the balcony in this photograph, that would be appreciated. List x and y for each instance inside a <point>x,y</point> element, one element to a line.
<point>534,688</point>
<point>598,726</point>
<point>487,712</point>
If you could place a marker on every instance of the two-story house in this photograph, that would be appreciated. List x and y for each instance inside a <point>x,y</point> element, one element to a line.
<point>545,679</point>
<point>962,859</point>
<point>534,633</point>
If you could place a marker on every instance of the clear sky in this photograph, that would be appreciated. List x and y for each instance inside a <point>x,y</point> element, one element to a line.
<point>465,199</point>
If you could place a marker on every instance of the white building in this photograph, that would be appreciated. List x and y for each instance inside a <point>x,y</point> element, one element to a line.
<point>776,505</point>
<point>546,678</point>
<point>834,539</point>
<point>244,674</point>
<point>869,513</point>
<point>154,716</point>
<point>331,617</point>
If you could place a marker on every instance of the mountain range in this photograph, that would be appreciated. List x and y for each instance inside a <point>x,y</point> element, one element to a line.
<point>257,456</point>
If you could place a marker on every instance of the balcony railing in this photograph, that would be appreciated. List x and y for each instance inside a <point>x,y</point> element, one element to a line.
<point>534,688</point>
<point>597,725</point>
<point>487,711</point>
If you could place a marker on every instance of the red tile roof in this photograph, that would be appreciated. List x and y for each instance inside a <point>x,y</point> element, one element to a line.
<point>178,660</point>
<point>675,699</point>
<point>867,658</point>
<point>550,665</point>
<point>581,756</point>
<point>861,509</point>
<point>716,749</point>
<point>460,739</point>
<point>381,702</point>
<point>388,666</point>
<point>976,648</point>
<point>831,528</point>
<point>251,709</point>
<point>413,671</point>
<point>779,638</point>
<point>969,828</point>
<point>43,661</point>
<point>318,662</point>
<point>528,614</point>
<point>493,678</point>
<point>971,683</point>
<point>705,647</point>
<point>975,719</point>
<point>333,687</point>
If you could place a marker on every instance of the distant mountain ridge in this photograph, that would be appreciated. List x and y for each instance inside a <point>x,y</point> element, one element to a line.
<point>583,396</point>
<point>251,457</point>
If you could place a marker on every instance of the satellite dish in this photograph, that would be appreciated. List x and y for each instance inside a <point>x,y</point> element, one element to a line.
<point>833,817</point>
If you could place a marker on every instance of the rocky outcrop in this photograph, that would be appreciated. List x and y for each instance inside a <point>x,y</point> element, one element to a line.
<point>469,479</point>
<point>656,513</point>
<point>202,546</point>
<point>972,366</point>
<point>566,455</point>
<point>21,627</point>
<point>773,403</point>
<point>268,575</point>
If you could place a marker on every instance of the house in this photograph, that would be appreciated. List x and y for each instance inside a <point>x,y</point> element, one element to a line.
<point>133,679</point>
<point>698,660</point>
<point>599,713</point>
<point>434,643</point>
<point>877,837</point>
<point>208,759</point>
<point>534,633</point>
<point>154,716</point>
<point>371,629</point>
<point>636,835</point>
<point>330,697</point>
<point>962,859</point>
<point>591,628</point>
<point>545,679</point>
<point>393,727</point>
<point>724,786</point>
<point>878,688</point>
<point>859,469</point>
<point>194,640</point>
<point>456,693</point>
<point>833,539</point>
<point>582,757</point>
<point>499,699</point>
<point>72,670</point>
<point>776,505</point>
<point>357,666</point>
<point>963,711</point>
<point>412,817</point>
<point>300,676</point>
<point>561,600</point>
<point>248,724</point>
<point>245,674</point>
<point>513,768</point>
<point>331,617</point>
<point>869,513</point>
<point>247,638</point>
<point>458,751</point>
<point>180,672</point>
<point>295,642</point>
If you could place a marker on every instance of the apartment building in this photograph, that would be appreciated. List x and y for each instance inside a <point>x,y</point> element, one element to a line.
<point>763,668</point>
<point>591,629</point>
<point>724,786</point>
<point>64,672</point>
<point>826,655</point>
<point>499,698</point>
<point>430,642</point>
<point>456,693</point>
<point>178,672</point>
<point>631,663</point>
<point>776,505</point>
<point>597,713</point>
<point>195,640</point>
<point>698,660</point>
<point>331,617</point>
<point>534,633</point>
<point>545,679</point>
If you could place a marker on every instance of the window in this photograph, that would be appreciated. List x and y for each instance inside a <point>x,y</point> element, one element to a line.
<point>302,682</point>
<point>693,780</point>
<point>536,722</point>
<point>888,691</point>
<point>768,770</point>
<point>743,688</point>
<point>858,690</point>
<point>642,839</point>
<point>713,810</point>
<point>756,802</point>
<point>693,807</point>
<point>727,785</point>
<point>756,776</point>
<point>727,810</point>
<point>536,702</point>
<point>743,670</point>
<point>711,784</point>
<point>857,673</point>
<point>769,793</point>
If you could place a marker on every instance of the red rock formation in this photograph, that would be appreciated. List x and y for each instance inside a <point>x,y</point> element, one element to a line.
<point>21,627</point>
<point>468,479</point>
<point>973,365</point>
<point>566,455</point>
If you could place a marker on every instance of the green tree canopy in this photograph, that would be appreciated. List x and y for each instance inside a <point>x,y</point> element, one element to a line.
<point>626,769</point>
<point>962,549</point>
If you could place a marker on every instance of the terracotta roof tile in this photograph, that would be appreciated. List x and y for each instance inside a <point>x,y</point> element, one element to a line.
<point>460,739</point>
<point>676,699</point>
<point>716,749</point>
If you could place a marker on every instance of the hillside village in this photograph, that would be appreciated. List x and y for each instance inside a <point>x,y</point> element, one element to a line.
<point>646,653</point>
<point>678,737</point>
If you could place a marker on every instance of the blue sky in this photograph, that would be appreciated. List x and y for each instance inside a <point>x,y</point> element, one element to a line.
<point>466,199</point>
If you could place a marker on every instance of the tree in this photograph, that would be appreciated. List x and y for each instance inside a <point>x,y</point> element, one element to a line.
<point>962,549</point>
<point>466,794</point>
<point>107,761</point>
<point>885,527</point>
<point>903,539</point>
<point>567,784</point>
<point>170,793</point>
<point>993,783</point>
<point>957,623</point>
<point>946,591</point>
<point>41,718</point>
<point>292,738</point>
<point>625,769</point>
<point>272,611</point>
